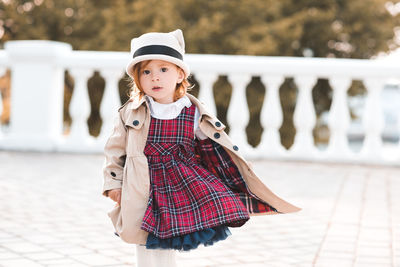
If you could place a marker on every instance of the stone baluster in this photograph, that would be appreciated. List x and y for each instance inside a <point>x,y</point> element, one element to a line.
<point>110,102</point>
<point>206,81</point>
<point>79,138</point>
<point>304,119</point>
<point>238,113</point>
<point>271,118</point>
<point>339,119</point>
<point>373,121</point>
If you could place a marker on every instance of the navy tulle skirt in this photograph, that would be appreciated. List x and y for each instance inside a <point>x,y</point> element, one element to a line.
<point>187,242</point>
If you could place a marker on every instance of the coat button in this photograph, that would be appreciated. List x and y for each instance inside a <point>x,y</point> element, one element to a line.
<point>217,135</point>
<point>218,124</point>
<point>113,174</point>
<point>135,122</point>
<point>235,148</point>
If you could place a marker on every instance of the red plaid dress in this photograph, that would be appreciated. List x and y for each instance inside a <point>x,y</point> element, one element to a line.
<point>185,197</point>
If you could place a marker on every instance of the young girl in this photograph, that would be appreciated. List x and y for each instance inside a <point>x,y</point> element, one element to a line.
<point>177,179</point>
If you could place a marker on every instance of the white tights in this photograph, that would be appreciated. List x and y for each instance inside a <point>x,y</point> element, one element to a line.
<point>155,257</point>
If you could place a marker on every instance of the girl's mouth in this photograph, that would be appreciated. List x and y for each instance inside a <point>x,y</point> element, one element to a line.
<point>156,88</point>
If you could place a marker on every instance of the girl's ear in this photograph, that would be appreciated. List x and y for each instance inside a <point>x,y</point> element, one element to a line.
<point>181,75</point>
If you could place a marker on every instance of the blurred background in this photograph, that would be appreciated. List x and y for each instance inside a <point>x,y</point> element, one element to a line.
<point>361,29</point>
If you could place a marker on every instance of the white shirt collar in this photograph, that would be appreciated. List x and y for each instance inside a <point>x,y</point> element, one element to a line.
<point>167,111</point>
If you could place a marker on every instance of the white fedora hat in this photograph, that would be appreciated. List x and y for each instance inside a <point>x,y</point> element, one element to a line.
<point>158,45</point>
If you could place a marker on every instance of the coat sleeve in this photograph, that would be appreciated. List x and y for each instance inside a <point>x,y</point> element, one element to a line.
<point>115,155</point>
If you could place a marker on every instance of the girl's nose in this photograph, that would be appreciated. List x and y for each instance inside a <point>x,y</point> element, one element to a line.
<point>155,77</point>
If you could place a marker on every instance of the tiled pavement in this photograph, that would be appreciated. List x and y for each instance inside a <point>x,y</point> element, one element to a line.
<point>52,214</point>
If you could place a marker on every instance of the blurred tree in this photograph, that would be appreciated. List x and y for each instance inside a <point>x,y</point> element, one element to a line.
<point>330,28</point>
<point>78,22</point>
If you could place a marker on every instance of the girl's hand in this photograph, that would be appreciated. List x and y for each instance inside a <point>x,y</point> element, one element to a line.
<point>115,195</point>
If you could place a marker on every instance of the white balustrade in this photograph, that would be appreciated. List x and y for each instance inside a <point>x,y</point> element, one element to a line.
<point>206,81</point>
<point>373,120</point>
<point>37,84</point>
<point>110,102</point>
<point>339,119</point>
<point>304,119</point>
<point>271,118</point>
<point>238,113</point>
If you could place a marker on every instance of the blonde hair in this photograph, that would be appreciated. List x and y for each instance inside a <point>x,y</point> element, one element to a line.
<point>137,90</point>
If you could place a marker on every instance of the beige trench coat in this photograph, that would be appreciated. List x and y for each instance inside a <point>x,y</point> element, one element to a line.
<point>126,167</point>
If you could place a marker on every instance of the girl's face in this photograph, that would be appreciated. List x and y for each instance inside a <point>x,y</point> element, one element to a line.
<point>159,78</point>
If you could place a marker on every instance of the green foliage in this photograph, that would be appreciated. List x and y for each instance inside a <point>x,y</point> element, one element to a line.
<point>356,29</point>
<point>329,28</point>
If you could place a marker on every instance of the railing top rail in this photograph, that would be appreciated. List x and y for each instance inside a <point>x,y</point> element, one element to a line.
<point>221,64</point>
<point>95,59</point>
<point>256,65</point>
<point>290,66</point>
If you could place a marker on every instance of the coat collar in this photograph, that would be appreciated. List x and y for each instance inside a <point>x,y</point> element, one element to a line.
<point>139,114</point>
<point>135,103</point>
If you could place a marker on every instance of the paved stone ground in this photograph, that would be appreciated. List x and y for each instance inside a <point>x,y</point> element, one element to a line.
<point>52,214</point>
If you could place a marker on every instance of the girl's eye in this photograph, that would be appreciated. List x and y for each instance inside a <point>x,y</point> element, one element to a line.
<point>146,72</point>
<point>164,69</point>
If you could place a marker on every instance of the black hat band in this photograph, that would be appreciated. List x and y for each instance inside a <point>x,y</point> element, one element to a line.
<point>157,50</point>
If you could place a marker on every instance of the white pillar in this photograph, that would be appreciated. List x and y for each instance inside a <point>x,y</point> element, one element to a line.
<point>206,81</point>
<point>339,120</point>
<point>373,121</point>
<point>109,103</point>
<point>304,119</point>
<point>37,83</point>
<point>238,112</point>
<point>271,118</point>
